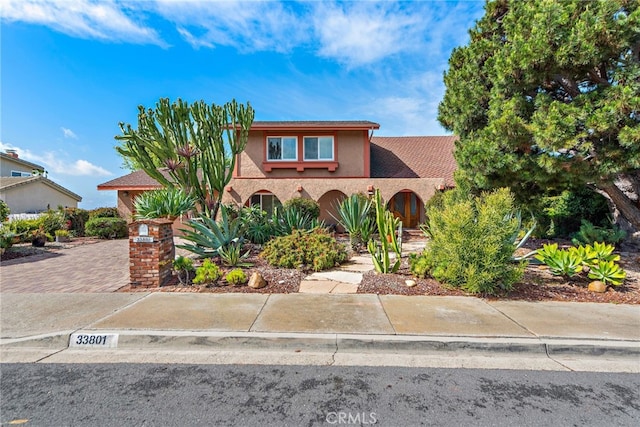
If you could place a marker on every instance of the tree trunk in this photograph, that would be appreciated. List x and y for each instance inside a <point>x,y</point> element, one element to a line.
<point>628,209</point>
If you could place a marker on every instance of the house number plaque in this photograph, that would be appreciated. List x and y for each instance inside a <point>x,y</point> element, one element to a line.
<point>143,239</point>
<point>93,340</point>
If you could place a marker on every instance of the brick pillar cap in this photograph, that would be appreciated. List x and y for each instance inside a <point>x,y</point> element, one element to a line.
<point>155,221</point>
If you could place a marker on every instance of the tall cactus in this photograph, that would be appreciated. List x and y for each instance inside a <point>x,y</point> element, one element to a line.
<point>387,227</point>
<point>198,144</point>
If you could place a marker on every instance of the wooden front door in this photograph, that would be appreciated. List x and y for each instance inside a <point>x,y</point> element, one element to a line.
<point>405,205</point>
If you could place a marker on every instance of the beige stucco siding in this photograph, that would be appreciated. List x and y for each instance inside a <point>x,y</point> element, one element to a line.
<point>7,166</point>
<point>35,197</point>
<point>350,149</point>
<point>285,189</point>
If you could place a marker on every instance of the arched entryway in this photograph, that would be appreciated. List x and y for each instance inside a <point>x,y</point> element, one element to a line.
<point>266,200</point>
<point>407,206</point>
<point>328,203</point>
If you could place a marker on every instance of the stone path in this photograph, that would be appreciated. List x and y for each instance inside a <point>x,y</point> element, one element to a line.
<point>346,278</point>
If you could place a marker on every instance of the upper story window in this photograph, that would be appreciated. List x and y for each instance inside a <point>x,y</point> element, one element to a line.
<point>20,173</point>
<point>318,148</point>
<point>282,148</point>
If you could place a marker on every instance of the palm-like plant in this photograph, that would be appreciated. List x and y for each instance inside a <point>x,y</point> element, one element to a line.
<point>165,203</point>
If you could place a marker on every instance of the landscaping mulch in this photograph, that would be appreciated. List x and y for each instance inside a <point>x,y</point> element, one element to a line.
<point>538,283</point>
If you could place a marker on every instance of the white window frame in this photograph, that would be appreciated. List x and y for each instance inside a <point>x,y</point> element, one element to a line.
<point>282,138</point>
<point>16,174</point>
<point>333,148</point>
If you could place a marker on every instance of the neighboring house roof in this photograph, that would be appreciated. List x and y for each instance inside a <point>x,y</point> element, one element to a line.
<point>138,180</point>
<point>318,124</point>
<point>413,157</point>
<point>21,162</point>
<point>8,183</point>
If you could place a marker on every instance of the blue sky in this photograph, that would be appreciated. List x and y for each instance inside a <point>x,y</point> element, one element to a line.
<point>73,69</point>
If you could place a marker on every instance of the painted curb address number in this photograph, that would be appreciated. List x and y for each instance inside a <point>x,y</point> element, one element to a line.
<point>94,340</point>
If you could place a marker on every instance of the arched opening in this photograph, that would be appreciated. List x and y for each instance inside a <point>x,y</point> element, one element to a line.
<point>266,200</point>
<point>407,206</point>
<point>328,206</point>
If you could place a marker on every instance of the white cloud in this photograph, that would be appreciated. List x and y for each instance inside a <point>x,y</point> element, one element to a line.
<point>360,33</point>
<point>57,162</point>
<point>104,20</point>
<point>247,26</point>
<point>68,133</point>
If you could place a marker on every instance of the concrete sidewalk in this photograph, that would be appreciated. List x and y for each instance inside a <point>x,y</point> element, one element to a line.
<point>36,327</point>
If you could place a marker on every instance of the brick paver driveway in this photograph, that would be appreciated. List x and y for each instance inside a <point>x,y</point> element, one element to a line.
<point>101,266</point>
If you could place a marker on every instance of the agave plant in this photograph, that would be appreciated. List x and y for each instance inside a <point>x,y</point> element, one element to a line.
<point>608,272</point>
<point>208,235</point>
<point>560,262</point>
<point>354,217</point>
<point>232,255</point>
<point>165,203</point>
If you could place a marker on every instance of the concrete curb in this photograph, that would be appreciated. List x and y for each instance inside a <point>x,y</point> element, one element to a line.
<point>338,343</point>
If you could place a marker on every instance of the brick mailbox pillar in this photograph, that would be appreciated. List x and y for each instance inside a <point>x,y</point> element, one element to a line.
<point>151,252</point>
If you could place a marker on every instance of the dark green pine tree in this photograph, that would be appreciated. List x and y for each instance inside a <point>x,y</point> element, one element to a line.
<point>546,97</point>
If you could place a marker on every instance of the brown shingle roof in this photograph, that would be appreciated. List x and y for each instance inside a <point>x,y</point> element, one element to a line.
<point>138,180</point>
<point>315,124</point>
<point>413,157</point>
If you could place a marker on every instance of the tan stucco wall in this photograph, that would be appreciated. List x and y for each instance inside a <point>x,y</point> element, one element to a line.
<point>35,197</point>
<point>349,152</point>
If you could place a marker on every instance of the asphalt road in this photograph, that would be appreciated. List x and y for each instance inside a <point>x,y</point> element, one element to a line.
<point>233,395</point>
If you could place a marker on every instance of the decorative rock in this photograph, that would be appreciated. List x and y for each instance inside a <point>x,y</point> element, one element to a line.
<point>410,283</point>
<point>597,286</point>
<point>257,281</point>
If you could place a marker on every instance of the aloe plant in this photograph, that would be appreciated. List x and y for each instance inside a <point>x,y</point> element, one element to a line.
<point>232,255</point>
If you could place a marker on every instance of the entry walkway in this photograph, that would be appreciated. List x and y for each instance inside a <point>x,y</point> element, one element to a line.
<point>346,278</point>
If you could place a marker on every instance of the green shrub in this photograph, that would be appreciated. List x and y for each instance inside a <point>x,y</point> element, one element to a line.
<point>6,238</point>
<point>52,221</point>
<point>106,228</point>
<point>561,215</point>
<point>75,220</point>
<point>4,211</point>
<point>104,213</point>
<point>183,266</point>
<point>207,273</point>
<point>590,233</point>
<point>315,248</point>
<point>472,242</point>
<point>236,277</point>
<point>24,227</point>
<point>305,206</point>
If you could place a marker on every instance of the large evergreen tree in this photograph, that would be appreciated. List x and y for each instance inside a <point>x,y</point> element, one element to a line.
<point>196,143</point>
<point>546,96</point>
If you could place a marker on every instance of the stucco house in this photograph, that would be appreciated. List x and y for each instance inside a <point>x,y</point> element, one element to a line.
<point>326,161</point>
<point>25,188</point>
